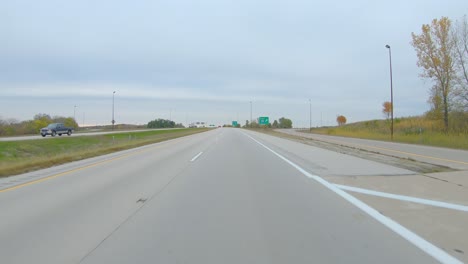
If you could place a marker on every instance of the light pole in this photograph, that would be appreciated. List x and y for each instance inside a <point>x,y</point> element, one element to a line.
<point>321,119</point>
<point>113,121</point>
<point>391,87</point>
<point>250,113</point>
<point>310,115</point>
<point>74,113</point>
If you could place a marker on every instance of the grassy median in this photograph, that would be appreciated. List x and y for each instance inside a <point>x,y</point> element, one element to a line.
<point>28,155</point>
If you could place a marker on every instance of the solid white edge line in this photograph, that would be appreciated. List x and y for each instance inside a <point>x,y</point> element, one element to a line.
<point>405,198</point>
<point>413,238</point>
<point>196,157</point>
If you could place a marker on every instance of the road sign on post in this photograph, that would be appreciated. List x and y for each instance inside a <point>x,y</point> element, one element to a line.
<point>234,123</point>
<point>263,120</point>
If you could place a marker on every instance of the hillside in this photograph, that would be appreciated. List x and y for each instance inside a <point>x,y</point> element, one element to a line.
<point>415,130</point>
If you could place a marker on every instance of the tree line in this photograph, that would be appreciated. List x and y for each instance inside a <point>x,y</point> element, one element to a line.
<point>163,123</point>
<point>282,122</point>
<point>11,127</point>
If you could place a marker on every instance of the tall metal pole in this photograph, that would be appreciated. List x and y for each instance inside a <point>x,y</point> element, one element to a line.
<point>113,120</point>
<point>391,87</point>
<point>250,113</point>
<point>310,115</point>
<point>74,113</point>
<point>74,116</point>
<point>321,119</point>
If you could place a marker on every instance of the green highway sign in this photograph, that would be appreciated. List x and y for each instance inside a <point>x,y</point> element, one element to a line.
<point>234,123</point>
<point>263,120</point>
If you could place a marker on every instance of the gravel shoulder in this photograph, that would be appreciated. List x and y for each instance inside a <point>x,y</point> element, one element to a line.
<point>369,154</point>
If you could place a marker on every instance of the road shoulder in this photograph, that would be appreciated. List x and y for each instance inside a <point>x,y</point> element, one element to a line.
<point>446,228</point>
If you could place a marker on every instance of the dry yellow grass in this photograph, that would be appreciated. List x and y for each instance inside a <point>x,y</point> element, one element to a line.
<point>414,130</point>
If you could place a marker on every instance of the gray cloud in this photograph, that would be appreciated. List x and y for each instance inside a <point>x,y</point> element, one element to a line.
<point>213,57</point>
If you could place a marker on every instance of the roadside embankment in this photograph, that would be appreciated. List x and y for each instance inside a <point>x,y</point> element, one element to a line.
<point>23,156</point>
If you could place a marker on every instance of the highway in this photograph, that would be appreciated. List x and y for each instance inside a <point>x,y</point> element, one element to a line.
<point>222,196</point>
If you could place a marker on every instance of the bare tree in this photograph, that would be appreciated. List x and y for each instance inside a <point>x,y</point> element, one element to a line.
<point>460,38</point>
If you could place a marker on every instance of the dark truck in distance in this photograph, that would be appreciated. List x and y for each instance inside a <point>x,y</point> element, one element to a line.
<point>56,128</point>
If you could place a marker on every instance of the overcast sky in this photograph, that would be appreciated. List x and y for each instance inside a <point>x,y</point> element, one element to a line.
<point>205,60</point>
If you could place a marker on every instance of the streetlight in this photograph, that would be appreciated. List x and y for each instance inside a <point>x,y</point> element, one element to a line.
<point>74,113</point>
<point>321,119</point>
<point>391,87</point>
<point>310,115</point>
<point>113,121</point>
<point>250,113</point>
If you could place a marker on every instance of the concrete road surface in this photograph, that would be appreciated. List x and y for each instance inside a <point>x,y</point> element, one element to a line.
<point>453,158</point>
<point>223,196</point>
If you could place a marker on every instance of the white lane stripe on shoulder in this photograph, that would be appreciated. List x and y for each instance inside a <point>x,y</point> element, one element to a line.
<point>413,238</point>
<point>405,198</point>
<point>196,157</point>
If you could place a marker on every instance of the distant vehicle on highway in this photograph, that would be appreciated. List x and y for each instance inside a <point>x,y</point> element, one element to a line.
<point>56,128</point>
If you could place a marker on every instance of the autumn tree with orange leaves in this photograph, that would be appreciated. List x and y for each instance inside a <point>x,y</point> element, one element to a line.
<point>341,120</point>
<point>387,109</point>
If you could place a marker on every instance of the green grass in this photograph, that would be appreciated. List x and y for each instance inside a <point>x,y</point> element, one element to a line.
<point>28,155</point>
<point>413,130</point>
